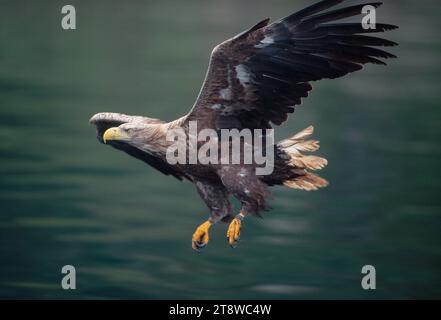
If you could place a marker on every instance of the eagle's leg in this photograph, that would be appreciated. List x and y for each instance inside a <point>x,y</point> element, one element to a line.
<point>243,183</point>
<point>215,197</point>
<point>233,232</point>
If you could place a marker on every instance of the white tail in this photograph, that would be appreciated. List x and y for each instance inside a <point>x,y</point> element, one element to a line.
<point>299,163</point>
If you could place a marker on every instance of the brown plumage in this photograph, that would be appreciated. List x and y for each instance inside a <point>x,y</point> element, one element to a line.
<point>254,80</point>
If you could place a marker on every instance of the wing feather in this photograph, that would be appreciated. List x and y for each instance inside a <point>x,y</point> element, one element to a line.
<point>256,78</point>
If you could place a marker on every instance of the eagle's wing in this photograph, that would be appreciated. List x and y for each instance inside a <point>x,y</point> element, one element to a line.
<point>152,161</point>
<point>259,76</point>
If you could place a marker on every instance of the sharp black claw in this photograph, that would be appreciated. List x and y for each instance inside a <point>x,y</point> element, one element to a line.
<point>234,245</point>
<point>200,244</point>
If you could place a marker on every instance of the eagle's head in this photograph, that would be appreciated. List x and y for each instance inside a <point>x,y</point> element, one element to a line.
<point>141,137</point>
<point>126,133</point>
<point>123,131</point>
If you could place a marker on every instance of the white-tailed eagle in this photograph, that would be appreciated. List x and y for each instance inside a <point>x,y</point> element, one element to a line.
<point>254,81</point>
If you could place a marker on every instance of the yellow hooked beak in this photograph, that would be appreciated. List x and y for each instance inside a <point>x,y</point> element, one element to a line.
<point>115,134</point>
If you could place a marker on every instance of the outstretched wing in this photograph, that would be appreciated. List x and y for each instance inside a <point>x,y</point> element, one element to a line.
<point>257,77</point>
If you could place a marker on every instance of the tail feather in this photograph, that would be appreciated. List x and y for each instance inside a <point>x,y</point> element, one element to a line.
<point>298,137</point>
<point>299,163</point>
<point>308,182</point>
<point>308,145</point>
<point>309,162</point>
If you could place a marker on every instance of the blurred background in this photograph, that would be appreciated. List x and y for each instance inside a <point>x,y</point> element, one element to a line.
<point>66,199</point>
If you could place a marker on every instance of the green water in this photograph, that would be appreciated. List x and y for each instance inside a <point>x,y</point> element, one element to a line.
<point>66,199</point>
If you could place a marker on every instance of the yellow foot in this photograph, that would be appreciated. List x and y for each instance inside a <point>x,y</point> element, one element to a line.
<point>233,233</point>
<point>200,236</point>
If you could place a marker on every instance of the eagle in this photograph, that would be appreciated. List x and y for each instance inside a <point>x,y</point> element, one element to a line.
<point>254,81</point>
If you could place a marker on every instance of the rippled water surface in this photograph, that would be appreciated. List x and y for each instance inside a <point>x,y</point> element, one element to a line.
<point>66,199</point>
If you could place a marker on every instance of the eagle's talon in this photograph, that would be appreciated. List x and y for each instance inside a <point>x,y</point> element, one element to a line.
<point>235,244</point>
<point>233,233</point>
<point>200,245</point>
<point>200,236</point>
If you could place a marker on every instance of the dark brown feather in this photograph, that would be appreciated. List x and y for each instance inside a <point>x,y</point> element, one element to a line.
<point>257,77</point>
